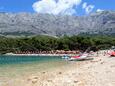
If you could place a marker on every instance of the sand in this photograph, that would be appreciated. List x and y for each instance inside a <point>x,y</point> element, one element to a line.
<point>97,72</point>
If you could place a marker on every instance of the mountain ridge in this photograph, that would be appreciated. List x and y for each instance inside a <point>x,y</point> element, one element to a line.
<point>28,24</point>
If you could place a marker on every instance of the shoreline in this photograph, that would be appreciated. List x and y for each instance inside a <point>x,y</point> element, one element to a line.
<point>96,72</point>
<point>12,54</point>
<point>103,52</point>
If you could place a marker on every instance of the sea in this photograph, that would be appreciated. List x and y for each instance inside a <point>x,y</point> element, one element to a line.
<point>13,66</point>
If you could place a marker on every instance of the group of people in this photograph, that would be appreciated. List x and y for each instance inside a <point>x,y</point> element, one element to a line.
<point>105,52</point>
<point>47,52</point>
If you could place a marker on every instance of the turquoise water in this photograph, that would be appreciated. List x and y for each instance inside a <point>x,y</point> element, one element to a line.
<point>12,66</point>
<point>24,59</point>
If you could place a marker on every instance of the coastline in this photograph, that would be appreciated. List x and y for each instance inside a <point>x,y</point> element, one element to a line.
<point>104,52</point>
<point>12,54</point>
<point>96,72</point>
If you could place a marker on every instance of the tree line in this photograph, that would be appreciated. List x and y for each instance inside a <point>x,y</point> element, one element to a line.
<point>48,43</point>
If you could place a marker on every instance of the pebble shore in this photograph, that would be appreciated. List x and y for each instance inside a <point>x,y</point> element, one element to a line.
<point>97,72</point>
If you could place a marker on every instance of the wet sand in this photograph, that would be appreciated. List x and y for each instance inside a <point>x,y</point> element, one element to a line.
<point>97,72</point>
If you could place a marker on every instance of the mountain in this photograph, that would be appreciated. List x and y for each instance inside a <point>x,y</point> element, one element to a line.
<point>27,24</point>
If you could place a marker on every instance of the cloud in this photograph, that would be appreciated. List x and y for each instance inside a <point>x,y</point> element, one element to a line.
<point>84,5</point>
<point>99,10</point>
<point>56,6</point>
<point>88,8</point>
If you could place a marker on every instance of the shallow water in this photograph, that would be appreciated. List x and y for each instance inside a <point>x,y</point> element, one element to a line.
<point>13,66</point>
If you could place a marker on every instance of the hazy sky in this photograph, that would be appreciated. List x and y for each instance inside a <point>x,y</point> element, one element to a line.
<point>69,7</point>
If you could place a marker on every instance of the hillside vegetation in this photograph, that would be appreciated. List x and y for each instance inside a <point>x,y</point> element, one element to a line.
<point>47,43</point>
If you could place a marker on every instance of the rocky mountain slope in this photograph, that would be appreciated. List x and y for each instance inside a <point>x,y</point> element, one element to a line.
<point>45,24</point>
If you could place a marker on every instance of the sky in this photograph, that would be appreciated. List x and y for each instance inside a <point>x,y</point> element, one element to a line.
<point>57,7</point>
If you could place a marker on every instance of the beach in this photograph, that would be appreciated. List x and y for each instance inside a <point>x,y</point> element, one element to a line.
<point>97,72</point>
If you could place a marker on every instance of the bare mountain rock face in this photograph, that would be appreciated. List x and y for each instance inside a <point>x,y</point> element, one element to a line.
<point>27,24</point>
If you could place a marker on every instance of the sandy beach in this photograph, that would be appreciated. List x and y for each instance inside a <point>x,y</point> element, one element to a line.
<point>97,72</point>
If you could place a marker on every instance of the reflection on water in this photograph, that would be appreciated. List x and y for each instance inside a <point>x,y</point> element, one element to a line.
<point>11,66</point>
